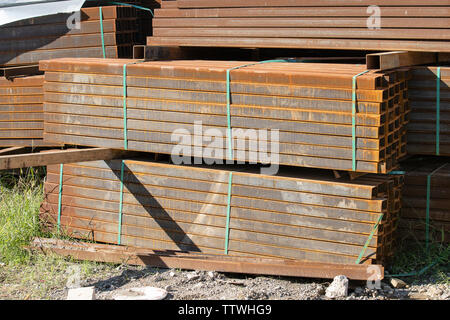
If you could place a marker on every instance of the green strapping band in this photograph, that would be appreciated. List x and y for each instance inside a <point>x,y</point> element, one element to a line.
<point>354,98</point>
<point>375,227</point>
<point>427,216</point>
<point>119,234</point>
<point>101,32</point>
<point>61,168</point>
<point>229,130</point>
<point>227,226</point>
<point>438,108</point>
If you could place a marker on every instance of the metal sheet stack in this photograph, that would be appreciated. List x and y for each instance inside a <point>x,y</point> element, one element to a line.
<point>429,126</point>
<point>21,111</point>
<point>303,214</point>
<point>310,104</point>
<point>316,24</point>
<point>55,36</point>
<point>425,200</point>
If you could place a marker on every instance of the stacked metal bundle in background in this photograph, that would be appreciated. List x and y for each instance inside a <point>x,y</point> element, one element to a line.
<point>335,24</point>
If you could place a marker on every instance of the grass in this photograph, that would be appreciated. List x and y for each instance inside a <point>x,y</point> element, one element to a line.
<point>21,194</point>
<point>419,262</point>
<point>26,275</point>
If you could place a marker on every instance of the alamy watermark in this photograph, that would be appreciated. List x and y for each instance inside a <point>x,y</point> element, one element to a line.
<point>373,22</point>
<point>212,146</point>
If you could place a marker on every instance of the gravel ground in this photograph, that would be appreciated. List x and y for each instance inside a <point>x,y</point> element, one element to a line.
<point>111,281</point>
<point>195,285</point>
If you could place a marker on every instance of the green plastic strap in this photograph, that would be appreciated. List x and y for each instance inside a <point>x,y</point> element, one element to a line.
<point>438,109</point>
<point>61,169</point>
<point>125,112</point>
<point>397,172</point>
<point>101,31</point>
<point>354,118</point>
<point>229,130</point>
<point>375,227</point>
<point>227,227</point>
<point>427,216</point>
<point>119,233</point>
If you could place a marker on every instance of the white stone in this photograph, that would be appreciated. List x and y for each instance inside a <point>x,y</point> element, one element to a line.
<point>87,293</point>
<point>397,283</point>
<point>338,288</point>
<point>145,293</point>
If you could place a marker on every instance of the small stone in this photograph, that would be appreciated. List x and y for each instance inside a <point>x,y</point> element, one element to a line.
<point>397,283</point>
<point>434,292</point>
<point>87,293</point>
<point>192,276</point>
<point>338,288</point>
<point>168,288</point>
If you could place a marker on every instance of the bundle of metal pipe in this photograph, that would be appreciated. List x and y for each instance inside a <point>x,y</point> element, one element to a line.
<point>101,32</point>
<point>425,201</point>
<point>429,127</point>
<point>301,214</point>
<point>313,24</point>
<point>90,102</point>
<point>21,111</point>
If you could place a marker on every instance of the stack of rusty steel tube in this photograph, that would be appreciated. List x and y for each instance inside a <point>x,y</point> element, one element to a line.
<point>302,214</point>
<point>309,103</point>
<point>326,24</point>
<point>424,214</point>
<point>100,32</point>
<point>21,111</point>
<point>429,125</point>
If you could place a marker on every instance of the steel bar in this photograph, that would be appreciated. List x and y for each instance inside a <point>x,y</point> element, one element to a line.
<point>193,261</point>
<point>55,157</point>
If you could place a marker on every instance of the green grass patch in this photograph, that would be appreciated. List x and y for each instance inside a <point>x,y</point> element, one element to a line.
<point>21,194</point>
<point>413,262</point>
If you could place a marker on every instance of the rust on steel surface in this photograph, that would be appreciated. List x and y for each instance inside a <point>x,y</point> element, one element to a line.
<point>310,104</point>
<point>194,261</point>
<point>405,25</point>
<point>307,215</point>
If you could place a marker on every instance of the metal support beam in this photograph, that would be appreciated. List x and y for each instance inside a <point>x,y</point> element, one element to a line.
<point>194,261</point>
<point>61,156</point>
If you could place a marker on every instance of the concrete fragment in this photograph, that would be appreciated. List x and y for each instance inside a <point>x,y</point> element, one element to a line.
<point>397,283</point>
<point>87,293</point>
<point>338,288</point>
<point>145,293</point>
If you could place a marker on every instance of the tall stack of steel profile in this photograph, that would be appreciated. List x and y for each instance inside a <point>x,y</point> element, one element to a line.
<point>90,102</point>
<point>333,24</point>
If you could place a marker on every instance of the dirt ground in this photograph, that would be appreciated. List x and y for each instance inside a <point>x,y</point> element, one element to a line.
<point>111,282</point>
